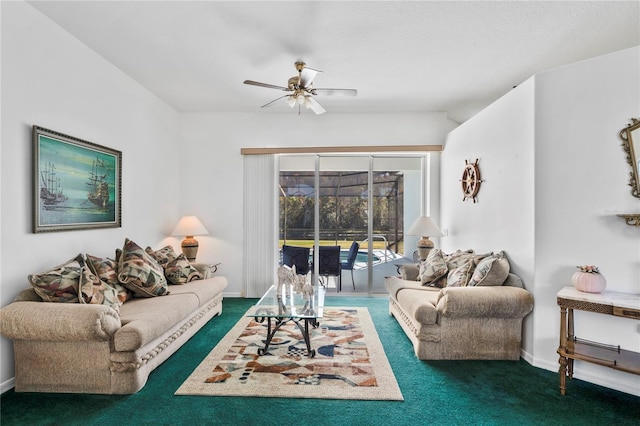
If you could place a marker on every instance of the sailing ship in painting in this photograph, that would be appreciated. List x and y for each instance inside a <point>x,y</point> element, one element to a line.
<point>53,197</point>
<point>98,187</point>
<point>51,191</point>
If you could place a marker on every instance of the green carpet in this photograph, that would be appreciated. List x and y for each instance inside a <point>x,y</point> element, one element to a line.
<point>435,392</point>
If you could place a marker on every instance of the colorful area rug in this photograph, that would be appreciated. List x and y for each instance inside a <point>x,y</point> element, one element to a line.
<point>350,362</point>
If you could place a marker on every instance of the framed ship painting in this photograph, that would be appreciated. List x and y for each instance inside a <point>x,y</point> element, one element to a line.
<point>76,184</point>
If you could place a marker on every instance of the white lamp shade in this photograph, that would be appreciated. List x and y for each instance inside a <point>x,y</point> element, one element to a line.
<point>424,226</point>
<point>189,226</point>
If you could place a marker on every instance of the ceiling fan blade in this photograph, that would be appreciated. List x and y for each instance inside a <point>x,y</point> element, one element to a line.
<point>268,86</point>
<point>315,106</point>
<point>336,92</point>
<point>307,75</point>
<point>268,104</point>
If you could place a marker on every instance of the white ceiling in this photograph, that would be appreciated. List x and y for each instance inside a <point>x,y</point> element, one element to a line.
<point>450,56</point>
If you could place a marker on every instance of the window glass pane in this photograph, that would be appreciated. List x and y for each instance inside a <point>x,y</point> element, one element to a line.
<point>297,201</point>
<point>344,215</point>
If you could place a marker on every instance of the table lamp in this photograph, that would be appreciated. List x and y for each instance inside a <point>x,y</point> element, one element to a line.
<point>189,226</point>
<point>424,227</point>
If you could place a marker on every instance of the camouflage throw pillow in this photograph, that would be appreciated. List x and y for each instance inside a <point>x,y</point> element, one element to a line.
<point>433,267</point>
<point>461,265</point>
<point>177,269</point>
<point>139,272</point>
<point>458,258</point>
<point>491,271</point>
<point>107,271</point>
<point>459,277</point>
<point>180,271</point>
<point>163,256</point>
<point>73,282</point>
<point>94,291</point>
<point>60,283</point>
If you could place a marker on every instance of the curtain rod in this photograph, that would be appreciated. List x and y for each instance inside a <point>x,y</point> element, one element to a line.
<point>341,149</point>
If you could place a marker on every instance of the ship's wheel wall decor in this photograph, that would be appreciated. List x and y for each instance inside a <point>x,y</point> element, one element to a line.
<point>471,181</point>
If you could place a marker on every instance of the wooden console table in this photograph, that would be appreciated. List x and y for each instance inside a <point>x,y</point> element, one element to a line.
<point>571,348</point>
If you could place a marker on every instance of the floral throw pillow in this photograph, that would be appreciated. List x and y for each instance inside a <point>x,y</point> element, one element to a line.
<point>140,273</point>
<point>107,271</point>
<point>433,267</point>
<point>177,268</point>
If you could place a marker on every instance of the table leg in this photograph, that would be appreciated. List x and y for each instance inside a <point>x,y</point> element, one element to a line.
<point>270,333</point>
<point>571,337</point>
<point>562,371</point>
<point>305,334</point>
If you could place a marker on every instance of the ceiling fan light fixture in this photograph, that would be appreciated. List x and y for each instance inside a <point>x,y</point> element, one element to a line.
<point>301,90</point>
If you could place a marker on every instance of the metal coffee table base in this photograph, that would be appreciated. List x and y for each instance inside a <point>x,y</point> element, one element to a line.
<point>279,322</point>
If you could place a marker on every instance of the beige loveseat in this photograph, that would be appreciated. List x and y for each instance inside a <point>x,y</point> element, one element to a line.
<point>461,321</point>
<point>91,348</point>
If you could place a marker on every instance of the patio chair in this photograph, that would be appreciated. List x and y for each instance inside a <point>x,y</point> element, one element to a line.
<point>351,258</point>
<point>329,263</point>
<point>298,256</point>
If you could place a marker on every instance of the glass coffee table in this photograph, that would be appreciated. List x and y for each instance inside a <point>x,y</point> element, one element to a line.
<point>279,307</point>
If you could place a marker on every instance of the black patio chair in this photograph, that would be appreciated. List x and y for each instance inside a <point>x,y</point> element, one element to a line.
<point>351,258</point>
<point>329,263</point>
<point>298,256</point>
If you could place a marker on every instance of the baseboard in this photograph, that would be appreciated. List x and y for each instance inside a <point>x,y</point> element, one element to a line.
<point>8,385</point>
<point>597,377</point>
<point>526,356</point>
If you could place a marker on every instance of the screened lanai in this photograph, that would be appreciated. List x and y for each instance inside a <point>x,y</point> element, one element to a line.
<point>343,207</point>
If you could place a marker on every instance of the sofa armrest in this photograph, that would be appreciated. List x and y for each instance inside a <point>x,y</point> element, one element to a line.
<point>58,321</point>
<point>409,271</point>
<point>395,284</point>
<point>492,302</point>
<point>207,270</point>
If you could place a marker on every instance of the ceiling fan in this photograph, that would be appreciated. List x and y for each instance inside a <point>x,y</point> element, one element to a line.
<point>301,90</point>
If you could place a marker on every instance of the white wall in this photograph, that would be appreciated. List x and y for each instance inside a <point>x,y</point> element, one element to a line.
<point>555,176</point>
<point>212,163</point>
<point>50,79</point>
<point>501,138</point>
<point>582,180</point>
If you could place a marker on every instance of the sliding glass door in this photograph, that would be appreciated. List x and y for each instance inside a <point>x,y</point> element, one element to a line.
<point>337,203</point>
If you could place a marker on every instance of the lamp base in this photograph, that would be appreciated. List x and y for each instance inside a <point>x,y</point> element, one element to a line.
<point>190,248</point>
<point>424,247</point>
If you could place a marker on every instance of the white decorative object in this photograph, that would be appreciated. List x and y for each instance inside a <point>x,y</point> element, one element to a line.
<point>286,277</point>
<point>307,291</point>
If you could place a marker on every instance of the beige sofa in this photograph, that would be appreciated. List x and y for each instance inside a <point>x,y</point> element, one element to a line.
<point>87,348</point>
<point>463,322</point>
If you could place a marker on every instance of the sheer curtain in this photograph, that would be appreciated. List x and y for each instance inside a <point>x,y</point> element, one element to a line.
<point>260,246</point>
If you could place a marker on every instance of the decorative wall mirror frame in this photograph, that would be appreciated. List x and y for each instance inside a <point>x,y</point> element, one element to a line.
<point>630,136</point>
